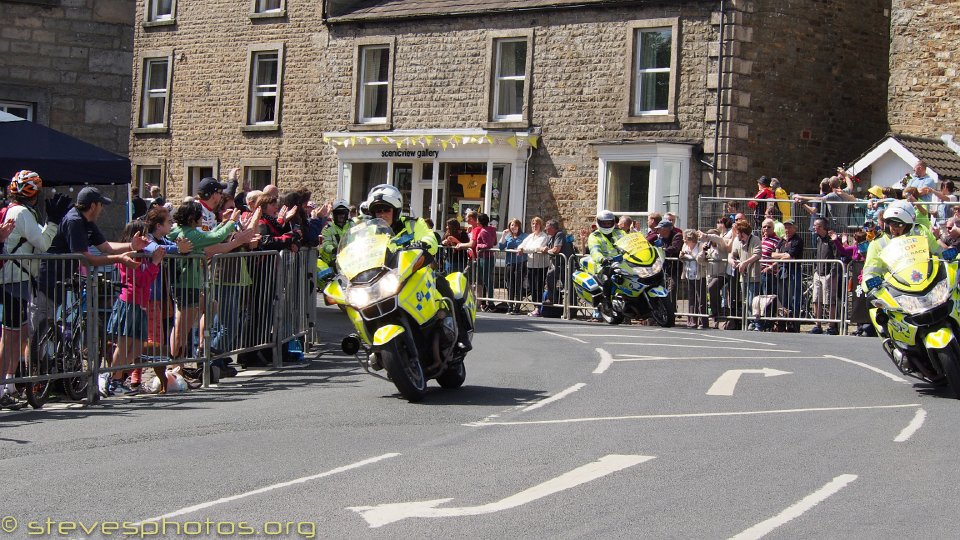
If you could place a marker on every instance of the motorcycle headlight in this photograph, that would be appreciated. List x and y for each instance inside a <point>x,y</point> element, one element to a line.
<point>649,271</point>
<point>386,286</point>
<point>914,305</point>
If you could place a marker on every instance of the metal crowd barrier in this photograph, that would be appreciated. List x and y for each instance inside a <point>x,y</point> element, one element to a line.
<point>73,327</point>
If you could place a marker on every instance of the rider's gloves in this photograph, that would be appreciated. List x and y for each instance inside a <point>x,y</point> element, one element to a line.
<point>417,245</point>
<point>949,254</point>
<point>658,242</point>
<point>607,261</point>
<point>874,282</point>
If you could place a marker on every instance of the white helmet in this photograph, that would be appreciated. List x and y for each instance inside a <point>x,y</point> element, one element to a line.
<point>606,221</point>
<point>901,211</point>
<point>340,204</point>
<point>385,193</point>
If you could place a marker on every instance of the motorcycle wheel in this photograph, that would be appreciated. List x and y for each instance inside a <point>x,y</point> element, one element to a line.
<point>608,314</point>
<point>453,377</point>
<point>949,358</point>
<point>405,372</point>
<point>661,312</point>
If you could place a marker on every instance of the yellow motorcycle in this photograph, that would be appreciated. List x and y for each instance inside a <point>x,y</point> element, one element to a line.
<point>402,323</point>
<point>916,312</point>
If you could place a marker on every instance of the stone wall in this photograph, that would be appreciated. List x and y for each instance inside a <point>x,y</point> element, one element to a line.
<point>808,88</point>
<point>72,59</point>
<point>924,61</point>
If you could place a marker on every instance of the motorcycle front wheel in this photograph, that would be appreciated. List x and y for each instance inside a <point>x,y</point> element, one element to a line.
<point>405,372</point>
<point>453,377</point>
<point>662,312</point>
<point>949,358</point>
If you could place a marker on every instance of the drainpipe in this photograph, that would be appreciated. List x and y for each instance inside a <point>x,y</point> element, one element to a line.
<point>716,134</point>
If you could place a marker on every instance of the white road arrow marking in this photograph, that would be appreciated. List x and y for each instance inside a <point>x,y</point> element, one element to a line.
<point>384,514</point>
<point>728,381</point>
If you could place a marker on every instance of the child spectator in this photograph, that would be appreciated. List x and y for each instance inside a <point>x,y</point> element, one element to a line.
<point>128,318</point>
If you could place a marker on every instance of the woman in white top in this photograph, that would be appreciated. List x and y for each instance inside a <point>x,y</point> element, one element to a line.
<point>538,262</point>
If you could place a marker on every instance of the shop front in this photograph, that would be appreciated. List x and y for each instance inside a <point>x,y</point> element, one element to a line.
<point>441,173</point>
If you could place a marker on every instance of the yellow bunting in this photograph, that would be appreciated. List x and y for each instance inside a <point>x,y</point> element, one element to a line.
<point>512,141</point>
<point>443,144</point>
<point>326,139</point>
<point>533,140</point>
<point>429,139</point>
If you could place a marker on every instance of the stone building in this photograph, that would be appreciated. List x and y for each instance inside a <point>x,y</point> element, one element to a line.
<point>66,64</point>
<point>521,108</point>
<point>924,88</point>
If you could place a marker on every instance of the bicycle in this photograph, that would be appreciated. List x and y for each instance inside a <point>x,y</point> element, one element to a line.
<point>60,348</point>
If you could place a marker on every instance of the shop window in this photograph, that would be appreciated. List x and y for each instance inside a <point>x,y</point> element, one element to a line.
<point>266,69</point>
<point>155,93</point>
<point>628,186</point>
<point>19,109</point>
<point>373,98</point>
<point>653,70</point>
<point>160,12</point>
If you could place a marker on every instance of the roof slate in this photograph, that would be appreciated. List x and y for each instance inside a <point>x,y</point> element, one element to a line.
<point>359,10</point>
<point>939,157</point>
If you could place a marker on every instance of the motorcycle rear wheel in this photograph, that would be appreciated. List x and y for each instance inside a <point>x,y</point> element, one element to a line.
<point>949,358</point>
<point>453,377</point>
<point>405,372</point>
<point>662,312</point>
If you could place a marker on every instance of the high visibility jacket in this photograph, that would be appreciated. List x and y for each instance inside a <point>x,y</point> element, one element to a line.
<point>874,266</point>
<point>602,246</point>
<point>417,230</point>
<point>331,240</point>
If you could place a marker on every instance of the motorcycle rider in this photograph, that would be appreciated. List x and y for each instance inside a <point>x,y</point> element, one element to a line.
<point>901,219</point>
<point>601,244</point>
<point>384,202</point>
<point>334,230</point>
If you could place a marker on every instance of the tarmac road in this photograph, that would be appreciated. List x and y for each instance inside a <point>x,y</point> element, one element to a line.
<point>562,430</point>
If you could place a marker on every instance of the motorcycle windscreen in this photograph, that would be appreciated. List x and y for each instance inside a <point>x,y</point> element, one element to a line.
<point>908,258</point>
<point>363,247</point>
<point>636,249</point>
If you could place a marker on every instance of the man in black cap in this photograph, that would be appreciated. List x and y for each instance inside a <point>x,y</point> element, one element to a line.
<point>78,233</point>
<point>759,208</point>
<point>210,193</point>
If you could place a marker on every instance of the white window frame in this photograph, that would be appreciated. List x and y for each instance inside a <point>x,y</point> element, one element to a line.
<point>249,165</point>
<point>259,7</point>
<point>152,17</point>
<point>192,174</point>
<point>662,157</point>
<point>257,92</point>
<point>364,86</point>
<point>633,89</point>
<point>498,77</point>
<point>147,95</point>
<point>6,105</point>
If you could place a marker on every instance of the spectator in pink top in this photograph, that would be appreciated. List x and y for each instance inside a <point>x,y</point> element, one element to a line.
<point>128,319</point>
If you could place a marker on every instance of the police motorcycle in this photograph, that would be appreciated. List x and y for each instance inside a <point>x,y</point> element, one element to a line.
<point>635,281</point>
<point>917,311</point>
<point>403,324</point>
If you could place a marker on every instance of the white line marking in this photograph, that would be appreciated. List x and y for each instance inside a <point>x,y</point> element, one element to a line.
<point>563,336</point>
<point>384,514</point>
<point>605,361</point>
<point>912,427</point>
<point>890,376</point>
<point>761,529</point>
<point>641,358</point>
<point>702,347</point>
<point>201,506</point>
<point>714,337</point>
<point>727,383</point>
<point>560,395</point>
<point>694,415</point>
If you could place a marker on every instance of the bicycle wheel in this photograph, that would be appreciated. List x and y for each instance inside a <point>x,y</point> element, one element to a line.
<point>41,362</point>
<point>75,359</point>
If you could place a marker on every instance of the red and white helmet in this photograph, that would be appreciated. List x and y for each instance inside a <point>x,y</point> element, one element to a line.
<point>25,184</point>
